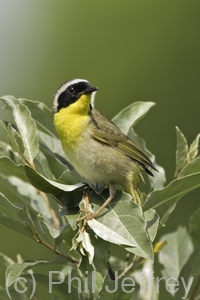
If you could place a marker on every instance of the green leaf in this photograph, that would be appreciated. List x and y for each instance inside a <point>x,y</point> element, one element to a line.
<point>84,243</point>
<point>26,126</point>
<point>194,226</point>
<point>192,167</point>
<point>31,196</point>
<point>15,270</point>
<point>108,234</point>
<point>152,219</point>
<point>164,201</point>
<point>176,253</point>
<point>42,115</point>
<point>72,177</point>
<point>42,165</point>
<point>24,221</point>
<point>53,146</point>
<point>129,116</point>
<point>186,274</point>
<point>47,185</point>
<point>124,217</point>
<point>15,140</point>
<point>96,272</point>
<point>193,150</point>
<point>181,151</point>
<point>8,167</point>
<point>67,195</point>
<point>15,225</point>
<point>6,151</point>
<point>13,209</point>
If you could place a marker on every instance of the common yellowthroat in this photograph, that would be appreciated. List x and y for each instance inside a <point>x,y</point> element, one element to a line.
<point>94,145</point>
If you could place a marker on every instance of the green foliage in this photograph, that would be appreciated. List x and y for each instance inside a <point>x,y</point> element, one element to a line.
<point>48,197</point>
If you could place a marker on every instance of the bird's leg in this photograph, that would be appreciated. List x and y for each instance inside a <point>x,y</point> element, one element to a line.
<point>112,194</point>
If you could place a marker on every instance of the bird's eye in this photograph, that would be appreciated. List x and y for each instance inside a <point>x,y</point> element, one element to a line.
<point>71,90</point>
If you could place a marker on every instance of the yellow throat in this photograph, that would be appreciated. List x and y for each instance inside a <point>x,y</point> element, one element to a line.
<point>72,120</point>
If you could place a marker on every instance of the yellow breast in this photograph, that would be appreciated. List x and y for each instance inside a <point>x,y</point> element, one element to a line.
<point>71,121</point>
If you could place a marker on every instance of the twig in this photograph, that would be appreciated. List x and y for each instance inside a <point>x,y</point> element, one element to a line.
<point>132,265</point>
<point>39,240</point>
<point>52,212</point>
<point>46,200</point>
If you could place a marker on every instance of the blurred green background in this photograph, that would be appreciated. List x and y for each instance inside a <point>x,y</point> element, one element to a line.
<point>132,50</point>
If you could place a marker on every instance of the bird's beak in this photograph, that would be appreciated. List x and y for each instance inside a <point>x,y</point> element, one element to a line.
<point>90,90</point>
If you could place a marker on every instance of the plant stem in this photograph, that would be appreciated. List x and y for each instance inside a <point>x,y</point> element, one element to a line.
<point>132,265</point>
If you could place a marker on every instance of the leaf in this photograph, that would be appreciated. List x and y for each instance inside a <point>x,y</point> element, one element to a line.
<point>24,221</point>
<point>129,116</point>
<point>152,219</point>
<point>193,150</point>
<point>186,274</point>
<point>15,270</point>
<point>72,177</point>
<point>194,226</point>
<point>53,146</point>
<point>96,272</point>
<point>26,126</point>
<point>31,196</point>
<point>181,151</point>
<point>6,151</point>
<point>15,225</point>
<point>42,165</point>
<point>13,209</point>
<point>42,115</point>
<point>124,217</point>
<point>47,185</point>
<point>67,195</point>
<point>164,201</point>
<point>192,167</point>
<point>84,243</point>
<point>108,234</point>
<point>15,140</point>
<point>7,166</point>
<point>176,253</point>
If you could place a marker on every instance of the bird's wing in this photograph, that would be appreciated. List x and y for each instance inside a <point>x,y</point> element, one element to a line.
<point>114,137</point>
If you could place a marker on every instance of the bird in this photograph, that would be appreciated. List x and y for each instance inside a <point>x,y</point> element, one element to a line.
<point>97,149</point>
